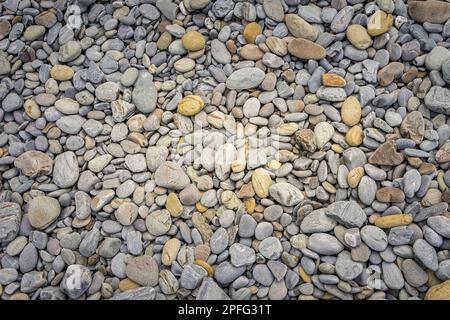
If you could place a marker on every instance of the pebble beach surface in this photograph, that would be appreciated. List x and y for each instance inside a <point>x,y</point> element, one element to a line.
<point>224,149</point>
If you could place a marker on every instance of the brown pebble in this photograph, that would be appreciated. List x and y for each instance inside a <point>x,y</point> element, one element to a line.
<point>390,194</point>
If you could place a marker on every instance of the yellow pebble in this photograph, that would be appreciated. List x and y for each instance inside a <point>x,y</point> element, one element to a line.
<point>250,204</point>
<point>380,22</point>
<point>337,148</point>
<point>61,72</point>
<point>354,136</point>
<point>251,31</point>
<point>354,176</point>
<point>205,265</point>
<point>394,220</point>
<point>200,208</point>
<point>127,284</point>
<point>193,41</point>
<point>329,187</point>
<point>261,182</point>
<point>32,109</point>
<point>305,277</point>
<point>439,292</point>
<point>173,205</point>
<point>190,105</point>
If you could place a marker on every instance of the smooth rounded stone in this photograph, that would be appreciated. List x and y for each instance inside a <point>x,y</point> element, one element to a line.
<point>99,163</point>
<point>61,72</point>
<point>28,258</point>
<point>392,276</point>
<point>432,11</point>
<point>144,93</point>
<point>149,11</point>
<point>70,124</point>
<point>437,100</point>
<point>286,194</point>
<point>263,230</point>
<point>10,219</point>
<point>367,189</point>
<point>443,271</point>
<point>11,102</point>
<point>414,274</point>
<point>247,226</point>
<point>66,170</point>
<point>400,235</point>
<point>220,52</point>
<point>69,51</point>
<point>170,175</point>
<point>129,77</point>
<point>299,28</point>
<point>219,241</point>
<point>358,36</point>
<point>136,162</point>
<point>393,119</point>
<point>245,78</point>
<point>77,279</point>
<point>412,182</point>
<point>190,195</point>
<point>126,213</point>
<point>323,132</point>
<point>374,238</point>
<point>306,49</point>
<point>8,275</point>
<point>351,111</point>
<point>192,276</point>
<point>263,275</point>
<point>43,211</point>
<point>440,224</point>
<point>270,248</point>
<point>346,268</point>
<point>155,156</point>
<point>251,107</point>
<point>225,273</point>
<point>273,212</point>
<point>143,270</point>
<point>436,58</point>
<point>107,91</point>
<point>241,255</point>
<point>109,247</point>
<point>89,243</point>
<point>184,65</point>
<point>426,254</point>
<point>317,221</point>
<point>325,244</point>
<point>347,213</point>
<point>158,222</point>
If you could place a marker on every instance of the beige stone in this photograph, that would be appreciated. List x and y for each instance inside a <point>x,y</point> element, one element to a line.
<point>358,36</point>
<point>351,111</point>
<point>261,182</point>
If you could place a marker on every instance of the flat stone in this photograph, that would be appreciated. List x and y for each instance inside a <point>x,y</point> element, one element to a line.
<point>324,244</point>
<point>66,170</point>
<point>143,270</point>
<point>170,175</point>
<point>43,211</point>
<point>245,78</point>
<point>285,194</point>
<point>347,213</point>
<point>144,94</point>
<point>10,219</point>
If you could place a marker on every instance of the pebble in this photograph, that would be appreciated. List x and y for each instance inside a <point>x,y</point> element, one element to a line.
<point>43,211</point>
